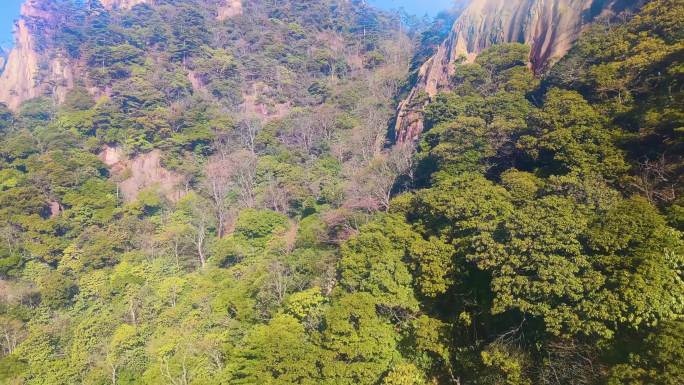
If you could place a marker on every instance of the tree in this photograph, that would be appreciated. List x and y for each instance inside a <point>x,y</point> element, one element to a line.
<point>189,34</point>
<point>359,345</point>
<point>248,130</point>
<point>573,137</point>
<point>376,262</point>
<point>372,187</point>
<point>12,332</point>
<point>460,145</point>
<point>192,211</point>
<point>404,374</point>
<point>125,351</point>
<point>657,360</point>
<point>219,185</point>
<point>288,359</point>
<point>57,290</point>
<point>243,175</point>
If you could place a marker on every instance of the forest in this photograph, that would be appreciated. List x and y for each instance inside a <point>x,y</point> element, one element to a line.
<point>531,236</point>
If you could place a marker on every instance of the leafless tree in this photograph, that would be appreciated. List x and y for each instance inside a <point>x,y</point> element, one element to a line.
<point>369,137</point>
<point>301,131</point>
<point>371,189</point>
<point>326,119</point>
<point>194,229</point>
<point>218,183</point>
<point>12,332</point>
<point>654,181</point>
<point>280,279</point>
<point>402,155</point>
<point>248,128</point>
<point>199,234</point>
<point>568,361</point>
<point>10,236</point>
<point>243,164</point>
<point>275,195</point>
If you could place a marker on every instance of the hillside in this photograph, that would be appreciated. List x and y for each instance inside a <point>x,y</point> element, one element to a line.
<point>549,27</point>
<point>205,192</point>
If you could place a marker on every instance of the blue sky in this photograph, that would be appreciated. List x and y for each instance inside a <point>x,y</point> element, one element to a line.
<point>9,11</point>
<point>416,7</point>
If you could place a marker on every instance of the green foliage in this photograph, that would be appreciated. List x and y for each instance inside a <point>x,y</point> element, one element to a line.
<point>375,262</point>
<point>57,290</point>
<point>359,345</point>
<point>462,145</point>
<point>288,359</point>
<point>631,73</point>
<point>573,138</point>
<point>259,224</point>
<point>523,210</point>
<point>658,360</point>
<point>404,374</point>
<point>507,366</point>
<point>536,243</point>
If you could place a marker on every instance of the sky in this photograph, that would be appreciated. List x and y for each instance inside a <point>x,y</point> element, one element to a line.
<point>9,11</point>
<point>416,7</point>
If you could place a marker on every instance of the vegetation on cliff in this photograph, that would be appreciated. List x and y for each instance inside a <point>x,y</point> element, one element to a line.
<point>532,236</point>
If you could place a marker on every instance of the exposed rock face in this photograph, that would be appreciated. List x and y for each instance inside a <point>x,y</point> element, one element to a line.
<point>3,59</point>
<point>142,172</point>
<point>18,82</point>
<point>230,8</point>
<point>549,27</point>
<point>29,72</point>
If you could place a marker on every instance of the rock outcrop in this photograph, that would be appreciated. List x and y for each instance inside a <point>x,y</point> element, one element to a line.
<point>142,172</point>
<point>549,27</point>
<point>3,59</point>
<point>17,82</point>
<point>229,8</point>
<point>30,71</point>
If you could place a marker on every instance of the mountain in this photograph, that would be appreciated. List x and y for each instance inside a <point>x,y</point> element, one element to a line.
<point>550,27</point>
<point>205,192</point>
<point>36,68</point>
<point>3,58</point>
<point>30,70</point>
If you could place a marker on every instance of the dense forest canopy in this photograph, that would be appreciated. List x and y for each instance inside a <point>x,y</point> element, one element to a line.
<point>532,235</point>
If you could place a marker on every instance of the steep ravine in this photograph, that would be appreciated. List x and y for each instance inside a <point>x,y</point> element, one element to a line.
<point>550,27</point>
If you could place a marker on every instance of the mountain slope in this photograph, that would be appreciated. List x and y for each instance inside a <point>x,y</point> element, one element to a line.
<point>36,67</point>
<point>29,70</point>
<point>550,27</point>
<point>214,201</point>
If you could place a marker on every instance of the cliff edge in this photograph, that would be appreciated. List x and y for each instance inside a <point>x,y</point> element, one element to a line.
<point>549,27</point>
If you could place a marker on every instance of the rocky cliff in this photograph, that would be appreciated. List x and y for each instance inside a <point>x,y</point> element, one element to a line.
<point>228,9</point>
<point>17,82</point>
<point>3,59</point>
<point>141,172</point>
<point>549,27</point>
<point>31,71</point>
